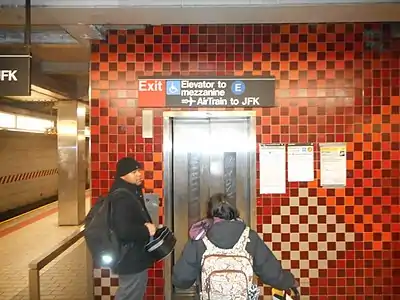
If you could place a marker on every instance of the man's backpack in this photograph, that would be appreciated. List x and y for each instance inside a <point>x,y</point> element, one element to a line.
<point>227,274</point>
<point>101,239</point>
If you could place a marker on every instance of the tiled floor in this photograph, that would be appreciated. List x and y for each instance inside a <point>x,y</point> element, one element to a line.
<point>27,237</point>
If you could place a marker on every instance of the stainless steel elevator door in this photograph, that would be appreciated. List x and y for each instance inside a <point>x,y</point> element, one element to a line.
<point>209,156</point>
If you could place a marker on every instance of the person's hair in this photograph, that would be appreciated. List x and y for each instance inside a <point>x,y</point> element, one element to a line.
<point>220,207</point>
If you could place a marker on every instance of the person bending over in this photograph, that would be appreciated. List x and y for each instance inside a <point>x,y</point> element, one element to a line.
<point>219,233</point>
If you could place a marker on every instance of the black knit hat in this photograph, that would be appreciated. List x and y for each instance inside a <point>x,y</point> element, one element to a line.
<point>126,165</point>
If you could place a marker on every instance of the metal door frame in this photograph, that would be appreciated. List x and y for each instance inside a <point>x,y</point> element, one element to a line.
<point>167,176</point>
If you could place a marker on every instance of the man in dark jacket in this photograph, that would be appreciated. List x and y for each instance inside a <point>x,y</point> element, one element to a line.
<point>134,227</point>
<point>224,234</point>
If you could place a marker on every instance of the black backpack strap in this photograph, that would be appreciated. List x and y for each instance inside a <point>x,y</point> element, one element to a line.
<point>110,211</point>
<point>144,209</point>
<point>294,293</point>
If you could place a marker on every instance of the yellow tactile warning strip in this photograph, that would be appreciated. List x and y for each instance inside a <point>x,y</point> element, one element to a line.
<point>27,176</point>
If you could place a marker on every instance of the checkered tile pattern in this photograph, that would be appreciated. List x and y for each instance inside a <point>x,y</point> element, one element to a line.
<point>332,86</point>
<point>27,176</point>
<point>105,284</point>
<point>306,236</point>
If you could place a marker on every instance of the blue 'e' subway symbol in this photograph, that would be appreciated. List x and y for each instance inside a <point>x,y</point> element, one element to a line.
<point>238,87</point>
<point>173,87</point>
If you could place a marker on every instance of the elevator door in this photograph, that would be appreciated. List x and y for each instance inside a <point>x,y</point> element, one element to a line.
<point>209,156</point>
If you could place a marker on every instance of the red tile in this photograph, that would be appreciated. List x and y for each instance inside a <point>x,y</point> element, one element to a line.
<point>330,87</point>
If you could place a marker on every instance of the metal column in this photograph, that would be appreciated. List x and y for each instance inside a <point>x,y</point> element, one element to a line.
<point>71,162</point>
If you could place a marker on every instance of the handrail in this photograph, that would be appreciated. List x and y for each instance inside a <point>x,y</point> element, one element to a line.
<point>52,254</point>
<point>36,265</point>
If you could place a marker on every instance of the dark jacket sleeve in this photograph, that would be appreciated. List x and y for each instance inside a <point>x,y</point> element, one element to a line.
<point>267,267</point>
<point>187,269</point>
<point>128,223</point>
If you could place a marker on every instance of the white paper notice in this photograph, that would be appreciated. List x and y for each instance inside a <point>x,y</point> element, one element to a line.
<point>272,169</point>
<point>300,163</point>
<point>333,164</point>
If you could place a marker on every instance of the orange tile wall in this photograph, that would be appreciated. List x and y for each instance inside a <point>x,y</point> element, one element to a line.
<point>343,243</point>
